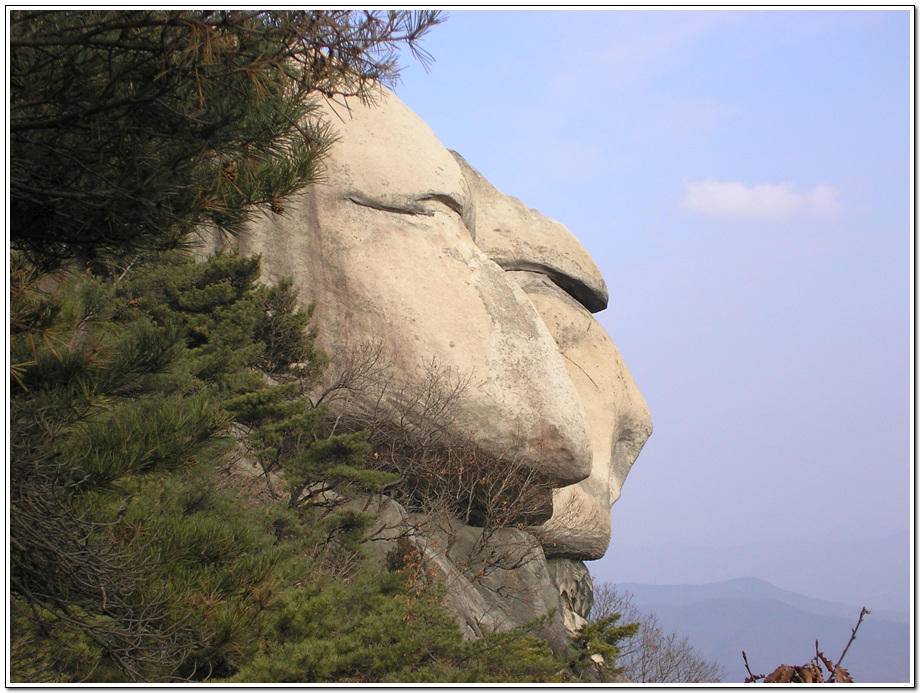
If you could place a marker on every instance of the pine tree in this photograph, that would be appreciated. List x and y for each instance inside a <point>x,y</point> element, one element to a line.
<point>94,401</point>
<point>122,393</point>
<point>597,645</point>
<point>130,130</point>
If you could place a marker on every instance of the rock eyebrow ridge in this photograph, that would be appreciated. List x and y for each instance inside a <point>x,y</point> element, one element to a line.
<point>518,238</point>
<point>405,205</point>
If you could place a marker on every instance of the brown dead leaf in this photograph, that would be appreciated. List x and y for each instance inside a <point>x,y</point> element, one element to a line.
<point>810,673</point>
<point>782,674</point>
<point>841,675</point>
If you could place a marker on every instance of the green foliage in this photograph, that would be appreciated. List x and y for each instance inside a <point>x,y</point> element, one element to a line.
<point>152,433</point>
<point>229,323</point>
<point>387,635</point>
<point>284,330</point>
<point>288,435</point>
<point>509,656</point>
<point>131,129</point>
<point>310,638</point>
<point>119,385</point>
<point>128,376</point>
<point>601,637</point>
<point>221,559</point>
<point>70,657</point>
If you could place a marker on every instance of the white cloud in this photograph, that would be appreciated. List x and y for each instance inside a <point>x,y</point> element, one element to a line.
<point>732,201</point>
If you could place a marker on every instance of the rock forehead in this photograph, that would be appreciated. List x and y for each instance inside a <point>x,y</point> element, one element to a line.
<point>387,158</point>
<point>517,237</point>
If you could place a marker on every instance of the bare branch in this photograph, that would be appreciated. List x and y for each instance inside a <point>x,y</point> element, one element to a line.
<point>862,614</point>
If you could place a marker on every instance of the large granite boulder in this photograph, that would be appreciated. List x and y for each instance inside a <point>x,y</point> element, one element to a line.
<point>421,273</point>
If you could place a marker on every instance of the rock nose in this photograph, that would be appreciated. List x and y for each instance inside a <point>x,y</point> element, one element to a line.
<point>563,454</point>
<point>528,410</point>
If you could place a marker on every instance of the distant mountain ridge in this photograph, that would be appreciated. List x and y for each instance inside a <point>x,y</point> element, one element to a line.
<point>751,588</point>
<point>874,571</point>
<point>775,626</point>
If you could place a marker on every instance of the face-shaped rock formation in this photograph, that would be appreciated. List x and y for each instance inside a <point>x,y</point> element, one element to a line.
<point>403,244</point>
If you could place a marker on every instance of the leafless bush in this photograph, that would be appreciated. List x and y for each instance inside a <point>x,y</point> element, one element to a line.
<point>652,655</point>
<point>352,372</point>
<point>444,476</point>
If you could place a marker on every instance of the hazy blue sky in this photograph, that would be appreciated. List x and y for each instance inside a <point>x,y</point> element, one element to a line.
<point>743,179</point>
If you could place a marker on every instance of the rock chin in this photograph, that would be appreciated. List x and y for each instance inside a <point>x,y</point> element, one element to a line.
<point>517,586</point>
